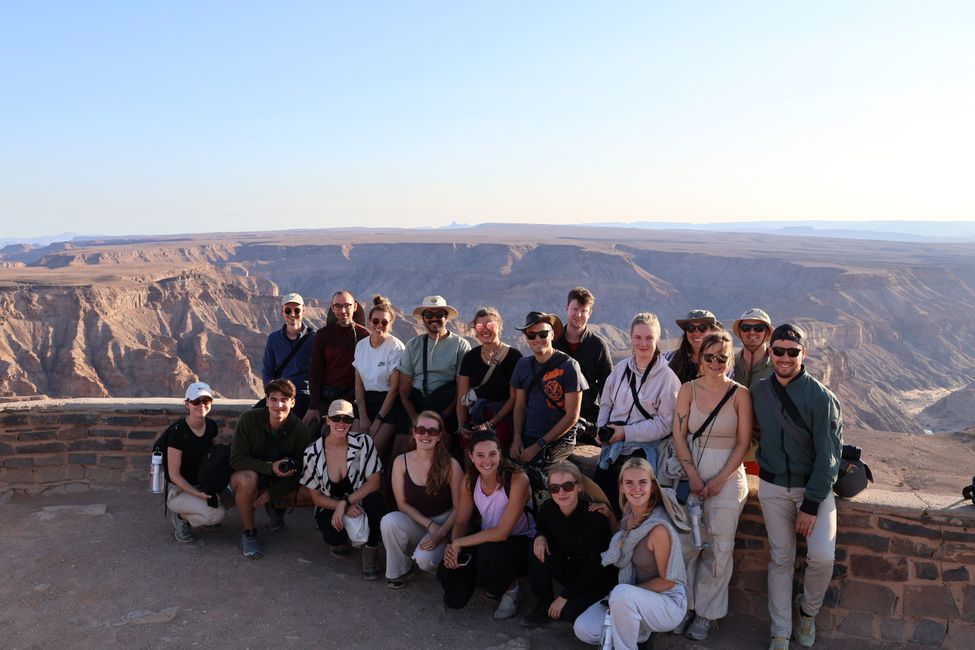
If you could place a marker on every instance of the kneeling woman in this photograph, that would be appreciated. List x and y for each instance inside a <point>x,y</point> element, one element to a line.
<point>426,483</point>
<point>650,595</point>
<point>497,554</point>
<point>341,472</point>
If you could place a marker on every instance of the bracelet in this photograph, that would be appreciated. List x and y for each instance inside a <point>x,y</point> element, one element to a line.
<point>432,522</point>
<point>348,503</point>
<point>379,417</point>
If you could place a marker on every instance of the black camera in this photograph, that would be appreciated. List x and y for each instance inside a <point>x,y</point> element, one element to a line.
<point>606,432</point>
<point>968,492</point>
<point>287,464</point>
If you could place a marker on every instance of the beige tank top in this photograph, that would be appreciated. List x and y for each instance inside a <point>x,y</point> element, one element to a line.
<point>644,562</point>
<point>722,433</point>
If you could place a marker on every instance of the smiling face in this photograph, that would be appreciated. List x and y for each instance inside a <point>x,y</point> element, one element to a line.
<point>487,329</point>
<point>753,339</point>
<point>785,366</point>
<point>716,358</point>
<point>380,321</point>
<point>643,340</point>
<point>343,304</point>
<point>577,315</point>
<point>339,425</point>
<point>278,407</point>
<point>540,345</point>
<point>200,407</point>
<point>427,433</point>
<point>292,313</point>
<point>565,499</point>
<point>636,487</point>
<point>434,320</point>
<point>486,457</point>
<point>694,334</point>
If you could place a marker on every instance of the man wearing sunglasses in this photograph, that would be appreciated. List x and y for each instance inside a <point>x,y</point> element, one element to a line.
<point>330,374</point>
<point>288,351</point>
<point>548,395</point>
<point>798,457</point>
<point>753,329</point>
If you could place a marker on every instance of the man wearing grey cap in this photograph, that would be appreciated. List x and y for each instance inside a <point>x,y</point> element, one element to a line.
<point>798,457</point>
<point>288,351</point>
<point>753,329</point>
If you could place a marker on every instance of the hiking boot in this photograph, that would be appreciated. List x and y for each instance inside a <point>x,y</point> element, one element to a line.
<point>341,551</point>
<point>508,606</point>
<point>250,548</point>
<point>699,629</point>
<point>276,518</point>
<point>779,643</point>
<point>370,569</point>
<point>684,623</point>
<point>804,627</point>
<point>183,531</point>
<point>399,582</point>
<point>537,617</point>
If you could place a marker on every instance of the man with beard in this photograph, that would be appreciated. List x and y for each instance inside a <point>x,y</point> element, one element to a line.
<point>799,458</point>
<point>288,351</point>
<point>753,328</point>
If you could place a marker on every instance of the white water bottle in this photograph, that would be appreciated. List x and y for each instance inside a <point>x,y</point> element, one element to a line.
<point>157,477</point>
<point>606,640</point>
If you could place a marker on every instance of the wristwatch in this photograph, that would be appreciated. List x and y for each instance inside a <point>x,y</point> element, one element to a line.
<point>542,443</point>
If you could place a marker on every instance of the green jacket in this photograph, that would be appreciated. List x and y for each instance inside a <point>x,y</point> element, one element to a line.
<point>751,377</point>
<point>784,460</point>
<point>255,447</point>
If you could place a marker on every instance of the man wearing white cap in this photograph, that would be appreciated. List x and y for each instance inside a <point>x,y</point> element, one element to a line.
<point>288,350</point>
<point>752,362</point>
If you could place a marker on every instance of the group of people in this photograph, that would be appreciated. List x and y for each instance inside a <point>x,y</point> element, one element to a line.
<point>465,432</point>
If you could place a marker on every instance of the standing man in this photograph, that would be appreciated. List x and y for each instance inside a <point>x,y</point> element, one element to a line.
<point>331,375</point>
<point>548,394</point>
<point>265,440</point>
<point>588,348</point>
<point>288,351</point>
<point>430,363</point>
<point>799,458</point>
<point>752,362</point>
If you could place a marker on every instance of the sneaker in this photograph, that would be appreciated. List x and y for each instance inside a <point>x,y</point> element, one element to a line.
<point>400,582</point>
<point>250,547</point>
<point>698,630</point>
<point>805,627</point>
<point>508,606</point>
<point>209,528</point>
<point>342,550</point>
<point>684,623</point>
<point>183,531</point>
<point>537,617</point>
<point>779,643</point>
<point>276,518</point>
<point>370,569</point>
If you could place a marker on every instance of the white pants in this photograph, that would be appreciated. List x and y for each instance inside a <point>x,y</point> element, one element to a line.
<point>779,508</point>
<point>401,537</point>
<point>635,613</point>
<point>709,570</point>
<point>193,509</point>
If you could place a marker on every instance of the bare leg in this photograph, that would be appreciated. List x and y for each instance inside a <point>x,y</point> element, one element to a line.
<point>244,484</point>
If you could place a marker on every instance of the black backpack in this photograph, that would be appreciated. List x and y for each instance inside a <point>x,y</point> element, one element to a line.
<point>215,469</point>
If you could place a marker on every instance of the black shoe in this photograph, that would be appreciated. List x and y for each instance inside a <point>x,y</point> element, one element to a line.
<point>536,618</point>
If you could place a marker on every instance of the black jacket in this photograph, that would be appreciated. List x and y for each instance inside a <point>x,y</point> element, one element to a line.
<point>596,364</point>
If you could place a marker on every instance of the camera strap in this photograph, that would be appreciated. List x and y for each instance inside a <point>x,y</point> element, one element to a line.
<point>794,425</point>
<point>629,375</point>
<point>294,350</point>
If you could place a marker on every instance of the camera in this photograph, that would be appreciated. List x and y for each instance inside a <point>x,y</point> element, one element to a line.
<point>287,464</point>
<point>604,433</point>
<point>968,492</point>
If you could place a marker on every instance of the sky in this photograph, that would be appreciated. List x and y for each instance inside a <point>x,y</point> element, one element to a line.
<point>169,117</point>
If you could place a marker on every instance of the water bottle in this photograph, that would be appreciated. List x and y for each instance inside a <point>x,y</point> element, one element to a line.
<point>606,640</point>
<point>157,477</point>
<point>694,511</point>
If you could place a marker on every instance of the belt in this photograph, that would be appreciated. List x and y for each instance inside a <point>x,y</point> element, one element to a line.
<point>798,480</point>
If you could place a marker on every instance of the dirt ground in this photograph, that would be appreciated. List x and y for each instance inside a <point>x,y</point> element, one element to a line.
<point>100,569</point>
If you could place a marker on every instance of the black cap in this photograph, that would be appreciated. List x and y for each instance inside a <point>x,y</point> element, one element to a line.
<point>788,332</point>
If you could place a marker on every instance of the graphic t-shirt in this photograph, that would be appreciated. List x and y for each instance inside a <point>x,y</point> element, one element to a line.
<point>546,398</point>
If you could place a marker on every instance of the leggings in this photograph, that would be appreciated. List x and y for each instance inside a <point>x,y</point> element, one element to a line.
<point>493,567</point>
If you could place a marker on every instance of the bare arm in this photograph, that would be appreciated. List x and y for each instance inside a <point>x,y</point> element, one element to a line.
<point>463,385</point>
<point>405,385</point>
<point>681,445</point>
<point>512,512</point>
<point>174,459</point>
<point>360,398</point>
<point>520,408</point>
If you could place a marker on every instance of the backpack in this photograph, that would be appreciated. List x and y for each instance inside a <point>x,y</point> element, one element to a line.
<point>215,469</point>
<point>537,485</point>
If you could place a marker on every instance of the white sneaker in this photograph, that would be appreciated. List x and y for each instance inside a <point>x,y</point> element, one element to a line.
<point>508,606</point>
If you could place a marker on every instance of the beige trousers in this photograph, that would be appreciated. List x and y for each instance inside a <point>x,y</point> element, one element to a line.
<point>193,509</point>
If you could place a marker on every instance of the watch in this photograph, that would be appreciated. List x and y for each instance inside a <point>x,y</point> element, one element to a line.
<point>542,443</point>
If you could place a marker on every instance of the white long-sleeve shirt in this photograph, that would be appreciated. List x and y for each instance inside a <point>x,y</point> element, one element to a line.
<point>658,396</point>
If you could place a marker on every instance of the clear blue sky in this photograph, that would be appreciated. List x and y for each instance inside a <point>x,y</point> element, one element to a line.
<point>157,117</point>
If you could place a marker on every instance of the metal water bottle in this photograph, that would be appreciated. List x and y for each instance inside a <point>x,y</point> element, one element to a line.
<point>606,640</point>
<point>157,477</point>
<point>694,511</point>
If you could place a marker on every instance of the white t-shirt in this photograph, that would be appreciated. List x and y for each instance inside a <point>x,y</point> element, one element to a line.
<point>375,365</point>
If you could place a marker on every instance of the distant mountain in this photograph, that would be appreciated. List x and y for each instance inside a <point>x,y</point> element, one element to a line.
<point>903,231</point>
<point>36,241</point>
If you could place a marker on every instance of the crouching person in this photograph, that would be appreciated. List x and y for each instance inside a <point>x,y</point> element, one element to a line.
<point>189,439</point>
<point>426,483</point>
<point>266,456</point>
<point>342,480</point>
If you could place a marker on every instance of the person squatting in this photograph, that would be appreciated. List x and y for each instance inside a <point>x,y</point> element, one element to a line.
<point>457,460</point>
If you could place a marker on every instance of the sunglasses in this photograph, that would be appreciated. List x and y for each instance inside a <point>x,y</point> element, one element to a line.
<point>200,400</point>
<point>377,321</point>
<point>792,352</point>
<point>341,306</point>
<point>489,326</point>
<point>700,327</point>
<point>435,315</point>
<point>292,310</point>
<point>711,358</point>
<point>348,419</point>
<point>568,486</point>
<point>757,327</point>
<point>421,430</point>
<point>531,336</point>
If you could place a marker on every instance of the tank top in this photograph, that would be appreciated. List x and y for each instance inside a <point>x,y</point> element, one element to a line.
<point>492,507</point>
<point>722,433</point>
<point>644,562</point>
<point>429,505</point>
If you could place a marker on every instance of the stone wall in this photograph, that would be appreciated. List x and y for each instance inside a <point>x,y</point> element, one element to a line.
<point>904,561</point>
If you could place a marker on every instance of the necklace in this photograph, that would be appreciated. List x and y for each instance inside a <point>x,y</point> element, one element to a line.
<point>491,356</point>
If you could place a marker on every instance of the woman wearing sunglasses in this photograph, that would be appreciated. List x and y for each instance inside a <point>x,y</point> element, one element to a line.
<point>647,551</point>
<point>426,483</point>
<point>485,397</point>
<point>376,377</point>
<point>572,533</point>
<point>498,552</point>
<point>684,360</point>
<point>712,433</point>
<point>342,476</point>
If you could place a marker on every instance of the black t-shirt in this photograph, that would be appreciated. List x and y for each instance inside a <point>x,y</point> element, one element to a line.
<point>498,387</point>
<point>194,447</point>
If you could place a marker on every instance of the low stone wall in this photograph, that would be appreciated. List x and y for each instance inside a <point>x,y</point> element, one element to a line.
<point>904,561</point>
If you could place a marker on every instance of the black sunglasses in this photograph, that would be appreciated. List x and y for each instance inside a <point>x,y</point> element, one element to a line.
<point>434,315</point>
<point>792,352</point>
<point>421,430</point>
<point>711,358</point>
<point>289,310</point>
<point>700,327</point>
<point>377,321</point>
<point>757,327</point>
<point>348,419</point>
<point>568,486</point>
<point>531,336</point>
<point>200,400</point>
